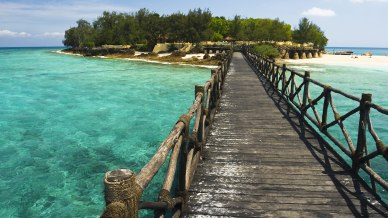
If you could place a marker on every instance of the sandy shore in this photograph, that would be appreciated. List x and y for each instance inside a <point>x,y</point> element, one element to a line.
<point>345,60</point>
<point>137,58</point>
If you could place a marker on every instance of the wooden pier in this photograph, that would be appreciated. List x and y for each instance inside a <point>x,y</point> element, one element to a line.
<point>250,152</point>
<point>259,161</point>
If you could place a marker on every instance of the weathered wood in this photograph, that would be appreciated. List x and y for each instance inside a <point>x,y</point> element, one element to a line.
<point>169,179</point>
<point>121,193</point>
<point>256,162</point>
<point>153,166</point>
<point>361,140</point>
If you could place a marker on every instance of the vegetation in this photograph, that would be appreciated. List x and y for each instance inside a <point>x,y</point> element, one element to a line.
<point>309,32</point>
<point>143,29</point>
<point>268,51</point>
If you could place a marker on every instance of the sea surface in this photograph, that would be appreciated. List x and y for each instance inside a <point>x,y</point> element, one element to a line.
<point>66,120</point>
<point>355,81</point>
<point>359,50</point>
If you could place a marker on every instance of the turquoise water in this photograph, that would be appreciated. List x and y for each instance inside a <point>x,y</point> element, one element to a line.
<point>360,50</point>
<point>65,121</point>
<point>355,81</point>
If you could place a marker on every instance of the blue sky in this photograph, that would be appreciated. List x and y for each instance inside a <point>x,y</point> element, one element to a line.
<point>360,23</point>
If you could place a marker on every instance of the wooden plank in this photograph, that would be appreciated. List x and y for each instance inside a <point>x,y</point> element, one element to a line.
<point>257,163</point>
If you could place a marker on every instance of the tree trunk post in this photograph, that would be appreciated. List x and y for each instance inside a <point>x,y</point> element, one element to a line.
<point>361,140</point>
<point>122,194</point>
<point>306,89</point>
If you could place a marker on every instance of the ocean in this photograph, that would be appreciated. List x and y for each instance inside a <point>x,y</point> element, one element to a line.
<point>359,50</point>
<point>66,120</point>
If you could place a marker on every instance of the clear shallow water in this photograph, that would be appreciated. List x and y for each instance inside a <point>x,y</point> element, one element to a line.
<point>65,121</point>
<point>355,81</point>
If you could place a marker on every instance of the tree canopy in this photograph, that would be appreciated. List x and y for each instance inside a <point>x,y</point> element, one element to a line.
<point>308,32</point>
<point>149,28</point>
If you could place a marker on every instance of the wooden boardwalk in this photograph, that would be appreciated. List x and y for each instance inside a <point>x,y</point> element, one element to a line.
<point>259,162</point>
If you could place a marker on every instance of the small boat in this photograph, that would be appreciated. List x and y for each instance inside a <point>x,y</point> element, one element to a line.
<point>343,52</point>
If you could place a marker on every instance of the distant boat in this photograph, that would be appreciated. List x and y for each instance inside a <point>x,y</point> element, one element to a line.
<point>343,52</point>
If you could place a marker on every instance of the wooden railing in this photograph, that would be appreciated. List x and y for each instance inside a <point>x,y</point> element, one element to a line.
<point>123,189</point>
<point>284,81</point>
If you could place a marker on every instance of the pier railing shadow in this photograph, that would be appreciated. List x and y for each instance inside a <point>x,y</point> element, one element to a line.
<point>295,103</point>
<point>183,147</point>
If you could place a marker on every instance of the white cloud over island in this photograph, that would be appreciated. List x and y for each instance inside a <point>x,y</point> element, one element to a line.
<point>10,33</point>
<point>13,34</point>
<point>319,12</point>
<point>53,34</point>
<point>364,1</point>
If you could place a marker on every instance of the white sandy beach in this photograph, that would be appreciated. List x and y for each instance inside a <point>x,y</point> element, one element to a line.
<point>188,56</point>
<point>345,60</point>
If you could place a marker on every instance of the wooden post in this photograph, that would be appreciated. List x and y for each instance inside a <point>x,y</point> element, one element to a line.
<point>198,90</point>
<point>325,107</point>
<point>122,194</point>
<point>306,89</point>
<point>275,78</point>
<point>361,140</point>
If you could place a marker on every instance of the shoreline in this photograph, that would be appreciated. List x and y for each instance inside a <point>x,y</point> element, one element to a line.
<point>344,60</point>
<point>150,60</point>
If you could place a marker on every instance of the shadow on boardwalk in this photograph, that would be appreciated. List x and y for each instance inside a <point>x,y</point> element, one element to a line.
<point>261,161</point>
<point>354,191</point>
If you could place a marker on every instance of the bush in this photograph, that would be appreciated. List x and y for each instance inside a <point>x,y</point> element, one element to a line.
<point>172,47</point>
<point>266,51</point>
<point>179,54</point>
<point>218,56</point>
<point>197,49</point>
<point>141,47</point>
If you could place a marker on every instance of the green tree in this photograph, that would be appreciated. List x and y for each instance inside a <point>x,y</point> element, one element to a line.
<point>235,26</point>
<point>80,36</point>
<point>176,25</point>
<point>198,25</point>
<point>309,32</point>
<point>279,31</point>
<point>219,27</point>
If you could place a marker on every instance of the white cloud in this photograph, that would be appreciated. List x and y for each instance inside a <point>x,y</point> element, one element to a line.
<point>59,10</point>
<point>10,33</point>
<point>364,1</point>
<point>319,12</point>
<point>53,34</point>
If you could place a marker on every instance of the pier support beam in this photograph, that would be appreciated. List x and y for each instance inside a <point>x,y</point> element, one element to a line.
<point>296,56</point>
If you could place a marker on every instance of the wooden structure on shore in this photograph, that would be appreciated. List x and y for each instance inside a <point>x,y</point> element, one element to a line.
<point>215,50</point>
<point>261,158</point>
<point>301,53</point>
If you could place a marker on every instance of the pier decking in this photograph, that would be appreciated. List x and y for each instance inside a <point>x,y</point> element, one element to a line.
<point>259,161</point>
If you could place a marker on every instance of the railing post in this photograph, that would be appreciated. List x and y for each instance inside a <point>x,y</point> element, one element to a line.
<point>122,194</point>
<point>325,107</point>
<point>198,90</point>
<point>306,89</point>
<point>361,140</point>
<point>280,77</point>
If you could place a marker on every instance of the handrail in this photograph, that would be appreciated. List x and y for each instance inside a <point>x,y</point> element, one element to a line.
<point>123,189</point>
<point>285,83</point>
